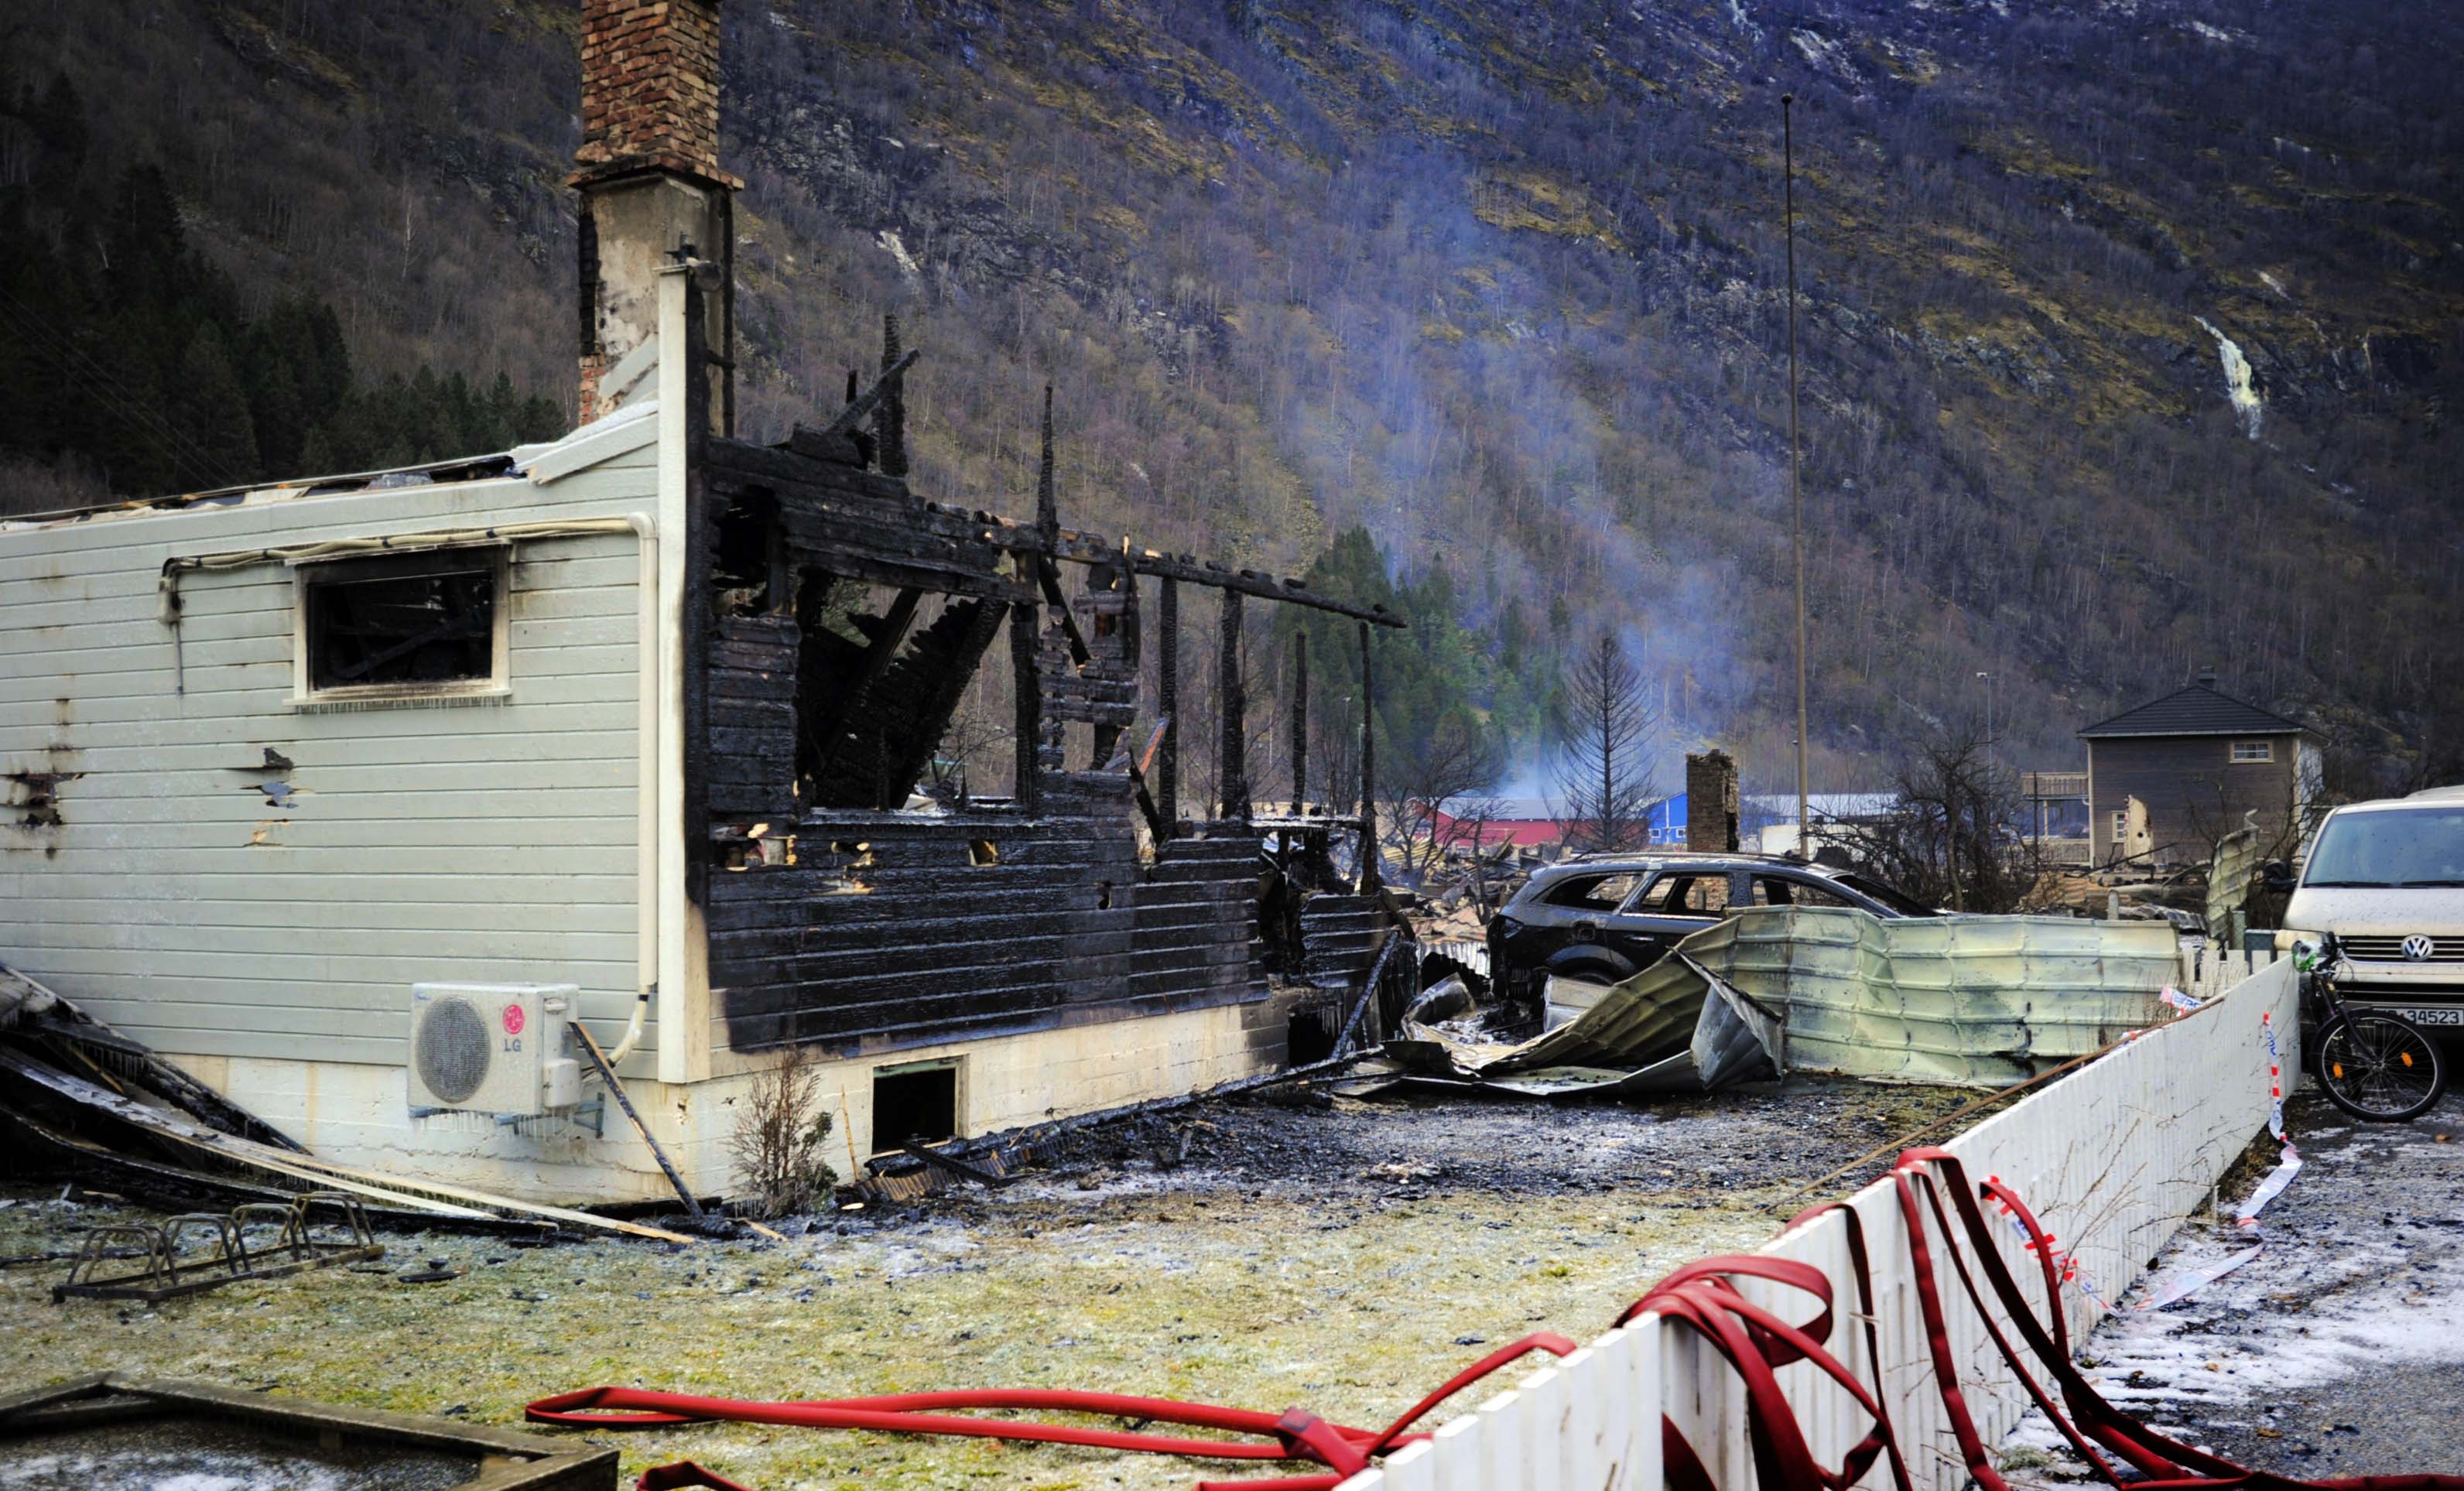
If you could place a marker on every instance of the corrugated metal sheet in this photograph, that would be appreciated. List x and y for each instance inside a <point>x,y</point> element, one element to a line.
<point>1979,1000</point>
<point>1971,1000</point>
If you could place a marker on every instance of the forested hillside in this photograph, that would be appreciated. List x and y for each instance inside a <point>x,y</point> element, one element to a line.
<point>2132,331</point>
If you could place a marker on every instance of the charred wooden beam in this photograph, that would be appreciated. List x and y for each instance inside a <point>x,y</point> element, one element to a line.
<point>890,420</point>
<point>1368,771</point>
<point>1047,504</point>
<point>895,623</point>
<point>1168,705</point>
<point>918,699</point>
<point>1299,720</point>
<point>860,405</point>
<point>1027,718</point>
<point>1231,763</point>
<point>1089,548</point>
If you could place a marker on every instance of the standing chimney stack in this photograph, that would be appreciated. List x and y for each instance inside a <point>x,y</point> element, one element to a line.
<point>652,190</point>
<point>1711,802</point>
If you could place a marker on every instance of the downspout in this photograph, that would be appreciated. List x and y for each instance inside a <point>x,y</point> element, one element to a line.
<point>684,1029</point>
<point>645,776</point>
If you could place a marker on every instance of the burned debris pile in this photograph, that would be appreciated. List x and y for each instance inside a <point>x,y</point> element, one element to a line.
<point>80,1099</point>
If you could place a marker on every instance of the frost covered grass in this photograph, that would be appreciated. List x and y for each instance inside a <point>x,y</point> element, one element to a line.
<point>1344,1262</point>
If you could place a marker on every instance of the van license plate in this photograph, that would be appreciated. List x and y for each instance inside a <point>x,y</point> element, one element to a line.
<point>2445,1016</point>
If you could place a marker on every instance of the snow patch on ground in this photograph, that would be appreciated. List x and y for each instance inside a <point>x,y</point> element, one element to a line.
<point>1823,52</point>
<point>2359,1283</point>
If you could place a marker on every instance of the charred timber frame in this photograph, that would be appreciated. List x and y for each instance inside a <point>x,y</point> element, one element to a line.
<point>867,928</point>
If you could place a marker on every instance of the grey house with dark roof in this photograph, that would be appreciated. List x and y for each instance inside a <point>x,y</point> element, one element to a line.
<point>2198,760</point>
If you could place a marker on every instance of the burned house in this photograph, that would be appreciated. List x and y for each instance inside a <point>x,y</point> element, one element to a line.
<point>348,794</point>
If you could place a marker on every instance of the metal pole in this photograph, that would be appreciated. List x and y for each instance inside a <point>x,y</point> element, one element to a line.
<point>1795,491</point>
<point>1988,717</point>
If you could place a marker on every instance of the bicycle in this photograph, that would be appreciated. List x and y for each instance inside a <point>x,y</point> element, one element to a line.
<point>2373,1063</point>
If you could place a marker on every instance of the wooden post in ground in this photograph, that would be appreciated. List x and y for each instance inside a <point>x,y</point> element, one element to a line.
<point>1231,761</point>
<point>1368,771</point>
<point>1168,705</point>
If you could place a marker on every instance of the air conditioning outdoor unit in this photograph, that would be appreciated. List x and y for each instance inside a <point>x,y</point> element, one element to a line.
<point>493,1049</point>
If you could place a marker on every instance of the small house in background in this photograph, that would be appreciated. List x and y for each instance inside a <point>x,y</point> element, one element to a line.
<point>1524,822</point>
<point>2198,760</point>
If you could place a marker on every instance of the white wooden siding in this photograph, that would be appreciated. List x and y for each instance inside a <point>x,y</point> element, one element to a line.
<point>475,840</point>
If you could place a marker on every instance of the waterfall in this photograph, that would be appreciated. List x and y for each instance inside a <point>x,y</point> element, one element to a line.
<point>2239,388</point>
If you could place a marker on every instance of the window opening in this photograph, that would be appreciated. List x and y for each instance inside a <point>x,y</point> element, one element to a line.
<point>2250,751</point>
<point>1596,892</point>
<point>745,560</point>
<point>403,621</point>
<point>1686,895</point>
<point>1781,891</point>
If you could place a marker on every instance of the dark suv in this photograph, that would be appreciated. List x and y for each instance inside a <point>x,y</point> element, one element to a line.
<point>1605,917</point>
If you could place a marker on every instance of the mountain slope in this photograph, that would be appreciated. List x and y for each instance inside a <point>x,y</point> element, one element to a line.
<point>1504,284</point>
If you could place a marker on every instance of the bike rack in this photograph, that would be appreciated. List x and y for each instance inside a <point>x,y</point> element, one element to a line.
<point>163,1272</point>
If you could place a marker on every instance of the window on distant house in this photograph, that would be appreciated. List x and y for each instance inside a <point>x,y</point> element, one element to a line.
<point>2121,826</point>
<point>402,626</point>
<point>2246,752</point>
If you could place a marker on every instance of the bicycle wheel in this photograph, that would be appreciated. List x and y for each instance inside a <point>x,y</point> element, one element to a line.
<point>2379,1067</point>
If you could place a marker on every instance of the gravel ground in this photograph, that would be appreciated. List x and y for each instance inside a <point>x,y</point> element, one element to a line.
<point>1338,1254</point>
<point>2339,1349</point>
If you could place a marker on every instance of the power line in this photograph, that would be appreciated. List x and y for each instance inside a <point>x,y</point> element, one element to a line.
<point>75,360</point>
<point>77,364</point>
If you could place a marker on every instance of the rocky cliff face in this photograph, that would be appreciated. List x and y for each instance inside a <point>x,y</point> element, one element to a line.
<point>1505,282</point>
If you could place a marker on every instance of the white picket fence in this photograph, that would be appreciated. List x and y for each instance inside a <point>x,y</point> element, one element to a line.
<point>2112,1158</point>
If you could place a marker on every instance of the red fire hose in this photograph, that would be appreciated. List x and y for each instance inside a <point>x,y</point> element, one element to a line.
<point>1702,1296</point>
<point>1294,1436</point>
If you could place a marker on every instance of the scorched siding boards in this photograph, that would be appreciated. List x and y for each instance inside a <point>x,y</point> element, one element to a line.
<point>915,945</point>
<point>486,842</point>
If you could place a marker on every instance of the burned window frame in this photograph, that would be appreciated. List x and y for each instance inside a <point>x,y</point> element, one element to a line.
<point>495,558</point>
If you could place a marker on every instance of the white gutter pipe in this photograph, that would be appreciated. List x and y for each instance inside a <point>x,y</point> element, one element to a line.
<point>646,785</point>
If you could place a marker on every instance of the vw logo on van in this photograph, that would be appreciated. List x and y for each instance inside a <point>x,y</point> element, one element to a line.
<point>2417,949</point>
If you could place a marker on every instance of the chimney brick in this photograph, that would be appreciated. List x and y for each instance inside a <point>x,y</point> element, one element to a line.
<point>647,171</point>
<point>649,94</point>
<point>1711,802</point>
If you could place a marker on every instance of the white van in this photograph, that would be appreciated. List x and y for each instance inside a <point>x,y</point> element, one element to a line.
<point>2387,879</point>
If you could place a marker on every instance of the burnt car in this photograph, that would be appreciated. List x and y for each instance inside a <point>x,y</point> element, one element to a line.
<point>1604,917</point>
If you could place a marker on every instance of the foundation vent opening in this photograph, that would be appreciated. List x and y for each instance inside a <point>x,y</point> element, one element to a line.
<point>914,1104</point>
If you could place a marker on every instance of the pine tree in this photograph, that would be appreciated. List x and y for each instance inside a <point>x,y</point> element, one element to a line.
<point>1604,768</point>
<point>209,411</point>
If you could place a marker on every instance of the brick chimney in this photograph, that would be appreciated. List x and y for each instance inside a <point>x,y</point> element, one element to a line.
<point>647,171</point>
<point>1711,802</point>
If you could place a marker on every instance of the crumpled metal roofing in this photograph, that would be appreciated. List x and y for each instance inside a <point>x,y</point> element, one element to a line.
<point>1969,1000</point>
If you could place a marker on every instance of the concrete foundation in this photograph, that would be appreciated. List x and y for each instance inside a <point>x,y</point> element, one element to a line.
<point>357,1114</point>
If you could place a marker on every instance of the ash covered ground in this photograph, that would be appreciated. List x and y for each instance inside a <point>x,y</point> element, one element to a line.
<point>1345,1255</point>
<point>2338,1351</point>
